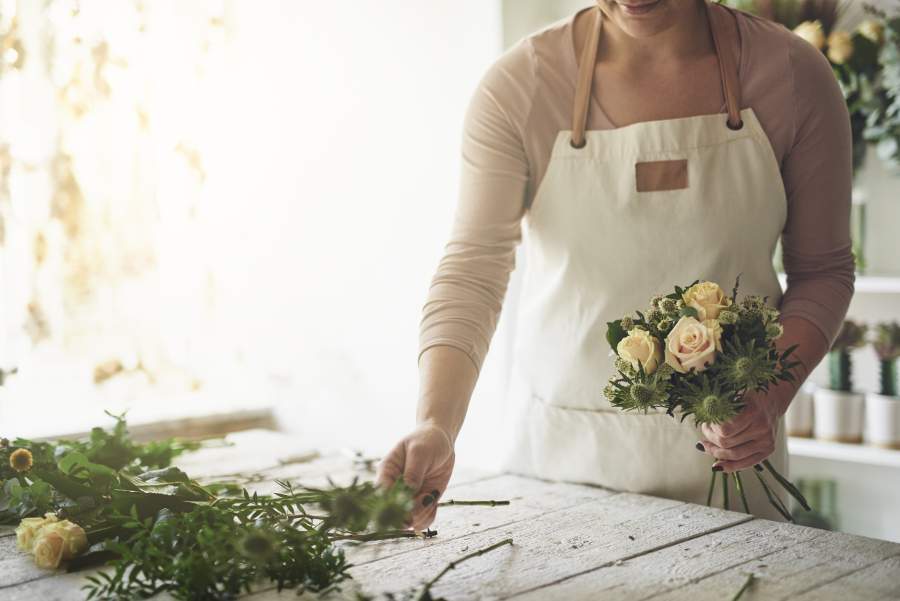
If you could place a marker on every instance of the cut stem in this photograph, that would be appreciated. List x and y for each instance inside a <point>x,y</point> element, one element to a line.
<point>773,498</point>
<point>725,502</point>
<point>452,565</point>
<point>386,535</point>
<point>740,488</point>
<point>788,486</point>
<point>747,583</point>
<point>472,503</point>
<point>712,488</point>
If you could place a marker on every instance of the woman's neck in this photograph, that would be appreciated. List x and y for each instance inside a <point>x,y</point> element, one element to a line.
<point>687,39</point>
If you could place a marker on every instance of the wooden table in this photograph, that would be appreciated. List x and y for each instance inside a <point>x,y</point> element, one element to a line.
<point>570,542</point>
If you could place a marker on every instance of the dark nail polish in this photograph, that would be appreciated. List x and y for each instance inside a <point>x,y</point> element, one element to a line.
<point>428,500</point>
<point>717,468</point>
<point>435,493</point>
<point>699,447</point>
<point>758,467</point>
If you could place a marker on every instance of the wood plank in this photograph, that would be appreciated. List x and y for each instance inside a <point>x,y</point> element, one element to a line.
<point>797,572</point>
<point>879,581</point>
<point>529,499</point>
<point>679,565</point>
<point>554,546</point>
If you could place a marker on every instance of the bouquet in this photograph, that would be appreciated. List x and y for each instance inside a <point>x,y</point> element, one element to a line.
<point>697,352</point>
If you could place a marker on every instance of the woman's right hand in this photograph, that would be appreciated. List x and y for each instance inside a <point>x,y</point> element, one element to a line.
<point>425,459</point>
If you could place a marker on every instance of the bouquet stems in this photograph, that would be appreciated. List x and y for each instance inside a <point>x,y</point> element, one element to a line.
<point>759,470</point>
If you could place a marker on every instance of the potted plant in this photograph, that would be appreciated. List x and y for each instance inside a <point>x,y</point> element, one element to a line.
<point>839,409</point>
<point>798,420</point>
<point>883,409</point>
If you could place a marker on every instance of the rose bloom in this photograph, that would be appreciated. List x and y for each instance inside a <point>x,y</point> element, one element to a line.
<point>840,47</point>
<point>707,298</point>
<point>693,344</point>
<point>812,32</point>
<point>873,30</point>
<point>28,530</point>
<point>48,550</point>
<point>641,348</point>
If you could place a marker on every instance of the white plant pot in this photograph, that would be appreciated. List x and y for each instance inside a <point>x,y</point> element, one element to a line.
<point>798,420</point>
<point>883,420</point>
<point>838,415</point>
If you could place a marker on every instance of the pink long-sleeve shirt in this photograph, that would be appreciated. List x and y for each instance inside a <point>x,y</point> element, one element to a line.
<point>525,98</point>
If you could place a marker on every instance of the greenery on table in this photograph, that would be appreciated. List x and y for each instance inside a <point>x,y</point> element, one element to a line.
<point>157,530</point>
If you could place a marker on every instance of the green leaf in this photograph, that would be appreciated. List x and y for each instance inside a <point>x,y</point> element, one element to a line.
<point>687,311</point>
<point>615,333</point>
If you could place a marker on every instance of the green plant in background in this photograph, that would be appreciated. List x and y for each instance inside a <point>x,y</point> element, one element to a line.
<point>887,348</point>
<point>866,63</point>
<point>851,336</point>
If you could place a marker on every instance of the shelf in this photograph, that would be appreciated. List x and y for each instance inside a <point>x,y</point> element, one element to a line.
<point>850,453</point>
<point>867,284</point>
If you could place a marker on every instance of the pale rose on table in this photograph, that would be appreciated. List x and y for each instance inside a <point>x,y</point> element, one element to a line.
<point>812,32</point>
<point>840,47</point>
<point>28,529</point>
<point>707,298</point>
<point>48,550</point>
<point>693,344</point>
<point>641,348</point>
<point>74,537</point>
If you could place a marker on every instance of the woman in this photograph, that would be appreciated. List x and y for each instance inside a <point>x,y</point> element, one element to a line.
<point>643,143</point>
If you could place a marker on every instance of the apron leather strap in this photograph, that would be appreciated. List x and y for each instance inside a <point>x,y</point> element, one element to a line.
<point>725,38</point>
<point>723,26</point>
<point>585,82</point>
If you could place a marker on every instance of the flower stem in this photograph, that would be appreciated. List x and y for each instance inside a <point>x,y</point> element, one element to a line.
<point>788,486</point>
<point>747,583</point>
<point>740,488</point>
<point>452,565</point>
<point>773,498</point>
<point>472,503</point>
<point>725,502</point>
<point>386,535</point>
<point>712,487</point>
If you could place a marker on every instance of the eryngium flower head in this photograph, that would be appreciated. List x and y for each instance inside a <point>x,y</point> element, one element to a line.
<point>774,330</point>
<point>728,318</point>
<point>668,305</point>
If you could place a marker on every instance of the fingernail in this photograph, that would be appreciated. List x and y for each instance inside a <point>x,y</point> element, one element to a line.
<point>717,468</point>
<point>435,493</point>
<point>699,447</point>
<point>428,500</point>
<point>758,467</point>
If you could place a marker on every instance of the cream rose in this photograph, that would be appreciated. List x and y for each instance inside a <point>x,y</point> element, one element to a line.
<point>641,348</point>
<point>873,30</point>
<point>28,529</point>
<point>692,344</point>
<point>74,537</point>
<point>48,550</point>
<point>707,298</point>
<point>812,32</point>
<point>840,47</point>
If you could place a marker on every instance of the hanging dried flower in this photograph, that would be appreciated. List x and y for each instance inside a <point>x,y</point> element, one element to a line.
<point>21,460</point>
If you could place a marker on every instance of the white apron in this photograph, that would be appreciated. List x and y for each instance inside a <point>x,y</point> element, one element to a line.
<point>598,248</point>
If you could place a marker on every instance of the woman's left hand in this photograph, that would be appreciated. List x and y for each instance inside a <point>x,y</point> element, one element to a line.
<point>748,438</point>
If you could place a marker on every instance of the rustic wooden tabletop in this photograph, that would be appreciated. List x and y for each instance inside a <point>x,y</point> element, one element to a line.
<point>569,542</point>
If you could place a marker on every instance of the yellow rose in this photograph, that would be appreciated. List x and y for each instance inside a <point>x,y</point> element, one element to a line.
<point>840,47</point>
<point>692,344</point>
<point>73,536</point>
<point>48,550</point>
<point>812,32</point>
<point>28,530</point>
<point>640,348</point>
<point>707,298</point>
<point>873,30</point>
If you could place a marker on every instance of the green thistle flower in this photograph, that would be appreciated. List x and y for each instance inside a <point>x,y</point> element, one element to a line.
<point>665,325</point>
<point>754,303</point>
<point>654,315</point>
<point>774,330</point>
<point>665,371</point>
<point>625,367</point>
<point>668,305</point>
<point>728,317</point>
<point>640,393</point>
<point>627,323</point>
<point>656,301</point>
<point>746,365</point>
<point>708,403</point>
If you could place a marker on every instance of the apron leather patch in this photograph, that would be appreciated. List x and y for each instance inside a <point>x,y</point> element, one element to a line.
<point>659,176</point>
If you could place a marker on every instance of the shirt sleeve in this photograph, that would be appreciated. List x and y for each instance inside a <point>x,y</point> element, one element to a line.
<point>817,173</point>
<point>466,293</point>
